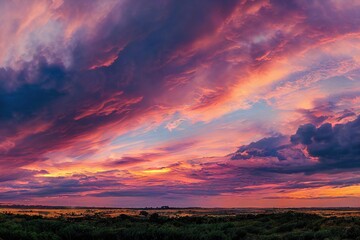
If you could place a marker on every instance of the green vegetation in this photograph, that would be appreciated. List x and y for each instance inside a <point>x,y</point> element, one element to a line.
<point>290,225</point>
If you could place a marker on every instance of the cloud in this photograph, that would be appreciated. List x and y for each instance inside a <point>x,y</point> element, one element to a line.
<point>18,174</point>
<point>125,161</point>
<point>266,147</point>
<point>310,150</point>
<point>75,102</point>
<point>335,146</point>
<point>304,134</point>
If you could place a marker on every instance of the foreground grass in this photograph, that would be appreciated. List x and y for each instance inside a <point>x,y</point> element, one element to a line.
<point>289,225</point>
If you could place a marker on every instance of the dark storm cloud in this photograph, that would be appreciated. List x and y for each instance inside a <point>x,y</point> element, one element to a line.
<point>304,134</point>
<point>335,146</point>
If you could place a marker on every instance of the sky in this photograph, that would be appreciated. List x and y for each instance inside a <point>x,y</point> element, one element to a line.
<point>206,103</point>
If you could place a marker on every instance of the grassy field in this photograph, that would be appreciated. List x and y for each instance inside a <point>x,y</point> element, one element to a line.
<point>50,212</point>
<point>172,224</point>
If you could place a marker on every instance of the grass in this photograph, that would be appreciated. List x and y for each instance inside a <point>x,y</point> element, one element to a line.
<point>286,225</point>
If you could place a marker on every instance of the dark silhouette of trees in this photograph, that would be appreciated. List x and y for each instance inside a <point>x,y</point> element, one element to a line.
<point>290,225</point>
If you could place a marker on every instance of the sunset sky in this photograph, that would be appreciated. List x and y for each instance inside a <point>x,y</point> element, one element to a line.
<point>208,103</point>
